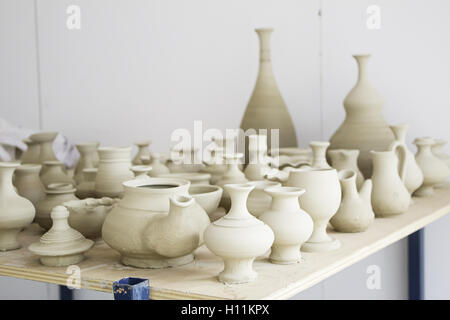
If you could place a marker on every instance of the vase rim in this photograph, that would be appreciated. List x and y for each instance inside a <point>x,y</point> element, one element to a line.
<point>144,186</point>
<point>286,191</point>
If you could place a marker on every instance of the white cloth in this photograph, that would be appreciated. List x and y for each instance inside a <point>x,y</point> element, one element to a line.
<point>11,138</point>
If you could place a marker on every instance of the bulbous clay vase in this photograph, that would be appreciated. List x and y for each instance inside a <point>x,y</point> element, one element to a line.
<point>434,169</point>
<point>364,127</point>
<point>88,159</point>
<point>53,172</point>
<point>208,197</point>
<point>266,108</point>
<point>87,216</point>
<point>31,155</point>
<point>86,189</point>
<point>16,212</point>
<point>389,193</point>
<point>344,159</point>
<point>413,173</point>
<point>151,231</point>
<point>45,140</point>
<point>55,195</point>
<point>355,213</point>
<point>28,184</point>
<point>319,149</point>
<point>238,238</point>
<point>113,170</point>
<point>258,200</point>
<point>438,150</point>
<point>291,225</point>
<point>233,175</point>
<point>143,151</point>
<point>61,245</point>
<point>157,166</point>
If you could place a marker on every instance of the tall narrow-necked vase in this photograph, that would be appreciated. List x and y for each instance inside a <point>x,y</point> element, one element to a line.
<point>364,127</point>
<point>266,108</point>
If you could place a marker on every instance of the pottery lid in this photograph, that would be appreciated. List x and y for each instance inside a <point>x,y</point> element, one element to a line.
<point>61,239</point>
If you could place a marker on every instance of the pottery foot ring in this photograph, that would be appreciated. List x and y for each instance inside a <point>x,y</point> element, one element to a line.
<point>285,254</point>
<point>238,271</point>
<point>8,239</point>
<point>62,260</point>
<point>148,263</point>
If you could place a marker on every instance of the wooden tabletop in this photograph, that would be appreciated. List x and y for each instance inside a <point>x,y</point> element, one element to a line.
<point>198,280</point>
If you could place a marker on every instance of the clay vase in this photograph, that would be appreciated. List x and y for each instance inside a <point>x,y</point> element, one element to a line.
<point>55,195</point>
<point>61,245</point>
<point>319,149</point>
<point>258,200</point>
<point>364,127</point>
<point>141,171</point>
<point>389,193</point>
<point>53,172</point>
<point>413,173</point>
<point>31,155</point>
<point>143,151</point>
<point>238,238</point>
<point>291,225</point>
<point>156,224</point>
<point>266,108</point>
<point>45,140</point>
<point>28,184</point>
<point>88,159</point>
<point>434,169</point>
<point>113,170</point>
<point>16,212</point>
<point>438,150</point>
<point>355,213</point>
<point>208,197</point>
<point>86,189</point>
<point>258,165</point>
<point>233,175</point>
<point>157,166</point>
<point>343,159</point>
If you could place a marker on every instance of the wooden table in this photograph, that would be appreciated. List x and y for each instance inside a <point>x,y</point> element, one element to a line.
<point>198,280</point>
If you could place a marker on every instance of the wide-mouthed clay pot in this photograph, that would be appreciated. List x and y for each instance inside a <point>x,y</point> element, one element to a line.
<point>156,224</point>
<point>208,197</point>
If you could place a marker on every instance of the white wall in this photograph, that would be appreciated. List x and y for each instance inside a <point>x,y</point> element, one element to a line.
<point>141,68</point>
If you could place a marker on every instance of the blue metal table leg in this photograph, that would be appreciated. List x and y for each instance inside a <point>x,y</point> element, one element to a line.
<point>416,265</point>
<point>65,293</point>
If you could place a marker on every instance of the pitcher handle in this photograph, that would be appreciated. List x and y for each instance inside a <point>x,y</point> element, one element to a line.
<point>401,155</point>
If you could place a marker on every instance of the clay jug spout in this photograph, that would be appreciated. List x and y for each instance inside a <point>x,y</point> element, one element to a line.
<point>347,178</point>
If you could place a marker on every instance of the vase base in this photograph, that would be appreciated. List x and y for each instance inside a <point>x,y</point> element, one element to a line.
<point>62,261</point>
<point>157,263</point>
<point>321,246</point>
<point>228,278</point>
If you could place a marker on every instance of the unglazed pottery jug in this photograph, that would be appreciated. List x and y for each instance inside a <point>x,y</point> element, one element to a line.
<point>16,212</point>
<point>413,173</point>
<point>53,172</point>
<point>113,170</point>
<point>151,231</point>
<point>345,159</point>
<point>434,169</point>
<point>233,175</point>
<point>238,237</point>
<point>157,166</point>
<point>143,151</point>
<point>364,127</point>
<point>45,140</point>
<point>258,200</point>
<point>28,184</point>
<point>31,155</point>
<point>438,150</point>
<point>389,194</point>
<point>88,159</point>
<point>86,189</point>
<point>266,108</point>
<point>61,245</point>
<point>355,213</point>
<point>258,164</point>
<point>55,195</point>
<point>291,225</point>
<point>319,149</point>
<point>321,200</point>
<point>87,216</point>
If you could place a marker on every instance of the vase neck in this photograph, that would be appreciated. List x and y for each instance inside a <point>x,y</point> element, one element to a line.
<point>363,67</point>
<point>239,195</point>
<point>264,44</point>
<point>6,176</point>
<point>285,202</point>
<point>400,132</point>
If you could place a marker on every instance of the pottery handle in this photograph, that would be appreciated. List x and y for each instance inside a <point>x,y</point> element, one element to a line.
<point>400,150</point>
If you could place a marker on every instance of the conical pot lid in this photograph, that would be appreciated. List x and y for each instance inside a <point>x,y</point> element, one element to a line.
<point>61,239</point>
